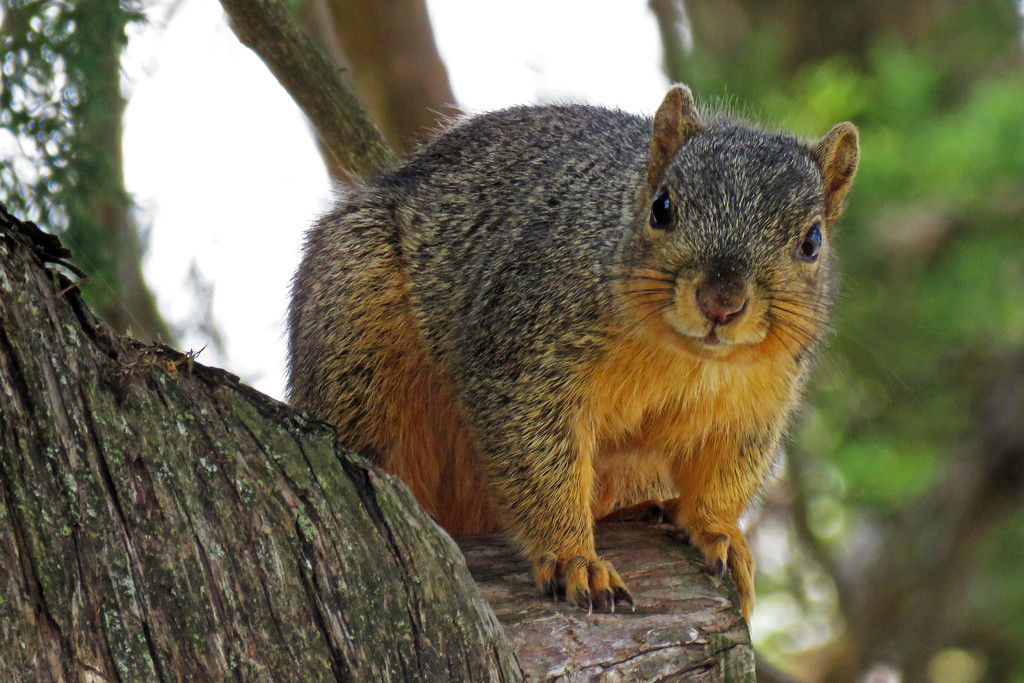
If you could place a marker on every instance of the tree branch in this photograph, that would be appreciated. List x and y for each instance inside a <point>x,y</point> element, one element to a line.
<point>673,25</point>
<point>314,83</point>
<point>686,625</point>
<point>396,68</point>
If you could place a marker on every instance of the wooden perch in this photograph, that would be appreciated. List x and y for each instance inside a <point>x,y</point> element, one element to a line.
<point>159,520</point>
<point>686,625</point>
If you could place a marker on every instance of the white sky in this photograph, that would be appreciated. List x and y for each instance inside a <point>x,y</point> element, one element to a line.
<point>224,167</point>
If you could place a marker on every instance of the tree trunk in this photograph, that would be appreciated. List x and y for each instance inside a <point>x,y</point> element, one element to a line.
<point>160,520</point>
<point>97,209</point>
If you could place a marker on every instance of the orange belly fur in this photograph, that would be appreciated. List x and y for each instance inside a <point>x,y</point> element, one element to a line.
<point>651,405</point>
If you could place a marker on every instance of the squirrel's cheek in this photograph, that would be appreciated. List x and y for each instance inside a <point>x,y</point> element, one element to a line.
<point>685,313</point>
<point>754,327</point>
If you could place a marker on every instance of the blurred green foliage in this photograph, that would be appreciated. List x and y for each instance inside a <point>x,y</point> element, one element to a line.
<point>935,261</point>
<point>51,66</point>
<point>997,593</point>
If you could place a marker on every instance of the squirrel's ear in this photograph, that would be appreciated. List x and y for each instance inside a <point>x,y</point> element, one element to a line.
<point>674,124</point>
<point>838,154</point>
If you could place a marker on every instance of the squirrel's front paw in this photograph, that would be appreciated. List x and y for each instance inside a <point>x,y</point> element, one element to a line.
<point>586,581</point>
<point>732,550</point>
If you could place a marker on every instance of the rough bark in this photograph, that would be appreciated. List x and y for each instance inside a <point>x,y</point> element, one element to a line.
<point>686,626</point>
<point>314,83</point>
<point>160,520</point>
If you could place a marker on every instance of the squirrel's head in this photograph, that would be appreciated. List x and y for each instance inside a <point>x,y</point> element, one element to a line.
<point>730,255</point>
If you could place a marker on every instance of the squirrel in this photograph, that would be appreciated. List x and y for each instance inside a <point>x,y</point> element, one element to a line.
<point>549,315</point>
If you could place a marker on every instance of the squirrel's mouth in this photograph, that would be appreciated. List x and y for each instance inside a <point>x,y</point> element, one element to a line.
<point>710,341</point>
<point>717,339</point>
<point>713,340</point>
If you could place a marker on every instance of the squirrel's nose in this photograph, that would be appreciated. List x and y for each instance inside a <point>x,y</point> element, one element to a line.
<point>720,305</point>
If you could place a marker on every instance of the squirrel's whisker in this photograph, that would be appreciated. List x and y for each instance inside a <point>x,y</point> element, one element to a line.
<point>641,321</point>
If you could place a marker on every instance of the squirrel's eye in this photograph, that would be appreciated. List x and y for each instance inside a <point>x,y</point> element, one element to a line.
<point>661,211</point>
<point>811,244</point>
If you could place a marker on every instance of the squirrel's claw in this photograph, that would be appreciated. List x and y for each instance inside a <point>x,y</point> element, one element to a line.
<point>585,600</point>
<point>587,582</point>
<point>729,551</point>
<point>622,594</point>
<point>546,571</point>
